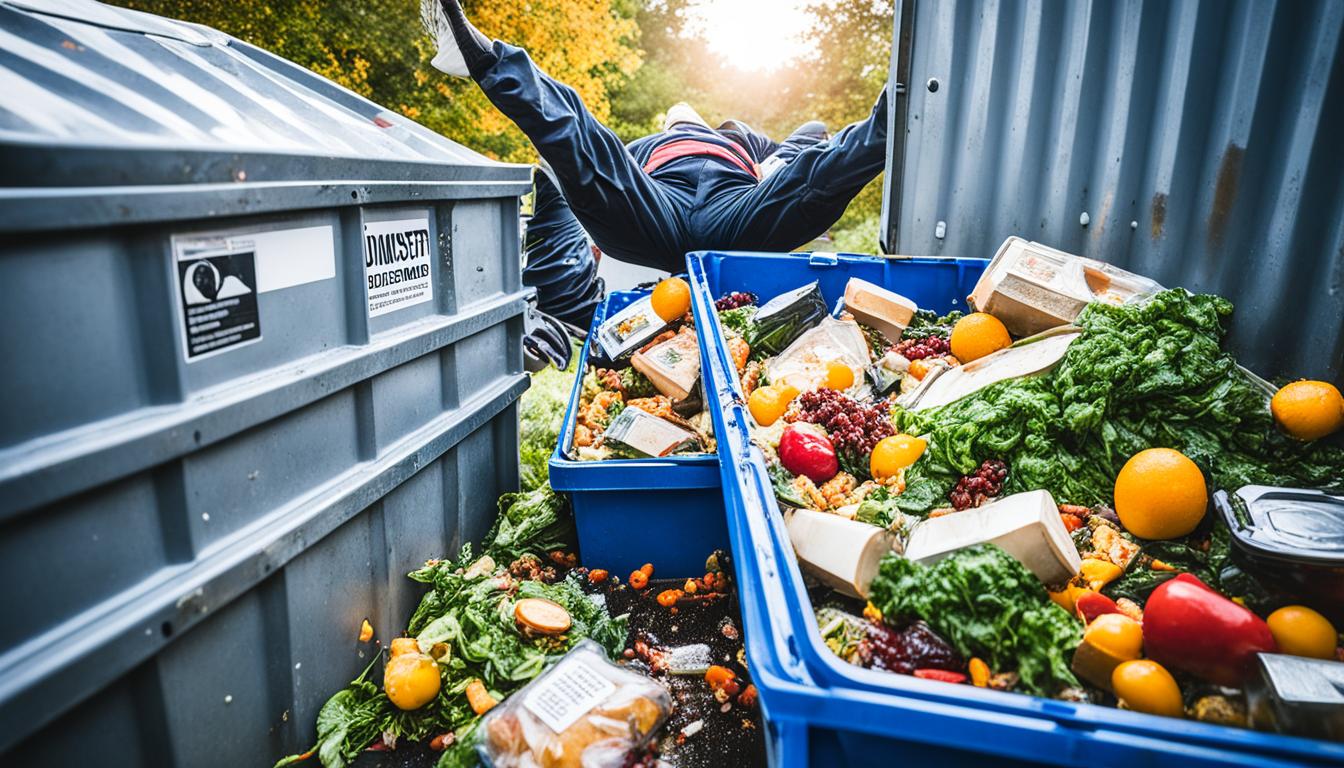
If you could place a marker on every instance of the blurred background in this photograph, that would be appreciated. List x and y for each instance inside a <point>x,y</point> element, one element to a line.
<point>772,63</point>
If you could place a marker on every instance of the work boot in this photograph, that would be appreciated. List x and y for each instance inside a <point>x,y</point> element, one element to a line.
<point>681,112</point>
<point>463,50</point>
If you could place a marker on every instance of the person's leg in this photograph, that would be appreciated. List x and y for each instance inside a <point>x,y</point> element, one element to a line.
<point>624,210</point>
<point>558,260</point>
<point>802,199</point>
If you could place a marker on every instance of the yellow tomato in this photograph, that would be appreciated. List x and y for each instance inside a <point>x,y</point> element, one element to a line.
<point>410,679</point>
<point>1146,686</point>
<point>769,403</point>
<point>1300,631</point>
<point>1117,635</point>
<point>892,454</point>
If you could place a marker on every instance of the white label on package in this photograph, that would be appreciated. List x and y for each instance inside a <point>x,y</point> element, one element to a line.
<point>566,693</point>
<point>397,264</point>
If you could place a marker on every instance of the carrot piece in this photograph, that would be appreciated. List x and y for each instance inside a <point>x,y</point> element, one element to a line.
<point>479,698</point>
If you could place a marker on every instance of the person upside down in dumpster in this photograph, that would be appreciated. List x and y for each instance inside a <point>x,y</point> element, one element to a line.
<point>688,187</point>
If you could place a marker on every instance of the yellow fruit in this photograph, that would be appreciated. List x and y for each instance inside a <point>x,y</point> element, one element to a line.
<point>892,454</point>
<point>1300,631</point>
<point>671,299</point>
<point>1120,636</point>
<point>977,335</point>
<point>768,403</point>
<point>1308,410</point>
<point>839,376</point>
<point>410,679</point>
<point>1160,494</point>
<point>1145,686</point>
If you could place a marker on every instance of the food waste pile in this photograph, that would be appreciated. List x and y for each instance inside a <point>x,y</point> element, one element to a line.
<point>1074,492</point>
<point>458,686</point>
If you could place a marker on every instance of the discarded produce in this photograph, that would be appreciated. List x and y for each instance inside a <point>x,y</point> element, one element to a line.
<point>411,678</point>
<point>640,394</point>
<point>1300,631</point>
<point>902,487</point>
<point>1145,686</point>
<point>1160,494</point>
<point>1308,410</point>
<point>1188,626</point>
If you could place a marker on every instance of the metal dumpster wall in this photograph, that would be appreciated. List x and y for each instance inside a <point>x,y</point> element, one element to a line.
<point>1195,142</point>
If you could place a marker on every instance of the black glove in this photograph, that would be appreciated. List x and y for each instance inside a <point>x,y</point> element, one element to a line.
<point>546,341</point>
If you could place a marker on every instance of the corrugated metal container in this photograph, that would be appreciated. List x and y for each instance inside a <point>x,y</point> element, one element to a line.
<point>1194,142</point>
<point>261,357</point>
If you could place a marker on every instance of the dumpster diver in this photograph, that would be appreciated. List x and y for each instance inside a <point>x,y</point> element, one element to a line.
<point>561,260</point>
<point>686,188</point>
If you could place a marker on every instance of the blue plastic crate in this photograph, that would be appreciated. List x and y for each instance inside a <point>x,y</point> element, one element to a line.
<point>822,711</point>
<point>633,511</point>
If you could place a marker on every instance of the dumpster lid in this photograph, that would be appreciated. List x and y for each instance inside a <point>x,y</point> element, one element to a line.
<point>97,95</point>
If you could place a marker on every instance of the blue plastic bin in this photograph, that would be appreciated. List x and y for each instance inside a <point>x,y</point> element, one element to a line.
<point>822,711</point>
<point>628,512</point>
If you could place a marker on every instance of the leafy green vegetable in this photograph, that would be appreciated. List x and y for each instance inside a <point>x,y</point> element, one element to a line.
<point>541,414</point>
<point>927,323</point>
<point>987,605</point>
<point>535,523</point>
<point>469,606</point>
<point>1141,376</point>
<point>739,319</point>
<point>636,384</point>
<point>877,508</point>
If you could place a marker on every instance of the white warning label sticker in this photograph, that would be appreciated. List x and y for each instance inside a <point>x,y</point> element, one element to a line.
<point>217,291</point>
<point>397,264</point>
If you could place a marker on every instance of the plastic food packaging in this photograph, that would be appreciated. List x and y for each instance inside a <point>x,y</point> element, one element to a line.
<point>784,318</point>
<point>1292,537</point>
<point>584,712</point>
<point>1032,287</point>
<point>804,364</point>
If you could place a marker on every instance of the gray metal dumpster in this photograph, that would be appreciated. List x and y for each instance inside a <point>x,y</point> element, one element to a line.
<point>260,356</point>
<point>1196,142</point>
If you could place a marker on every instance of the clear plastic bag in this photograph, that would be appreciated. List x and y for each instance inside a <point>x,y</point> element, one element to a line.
<point>585,712</point>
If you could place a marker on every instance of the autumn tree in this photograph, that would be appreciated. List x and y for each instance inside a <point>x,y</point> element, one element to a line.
<point>378,49</point>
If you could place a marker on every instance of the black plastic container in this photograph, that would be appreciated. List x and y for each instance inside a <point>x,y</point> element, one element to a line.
<point>1292,537</point>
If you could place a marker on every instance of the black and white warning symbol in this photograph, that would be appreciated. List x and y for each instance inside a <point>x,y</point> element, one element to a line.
<point>397,264</point>
<point>218,293</point>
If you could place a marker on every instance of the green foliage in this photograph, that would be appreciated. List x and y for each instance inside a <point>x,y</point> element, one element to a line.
<point>987,605</point>
<point>541,415</point>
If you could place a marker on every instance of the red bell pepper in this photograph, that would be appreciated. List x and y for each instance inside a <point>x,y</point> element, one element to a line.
<point>1090,605</point>
<point>1189,627</point>
<point>805,450</point>
<point>941,675</point>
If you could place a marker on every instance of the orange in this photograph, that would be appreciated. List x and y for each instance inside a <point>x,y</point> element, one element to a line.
<point>892,454</point>
<point>839,376</point>
<point>1146,686</point>
<point>1300,631</point>
<point>1308,410</point>
<point>671,299</point>
<point>1160,494</point>
<point>768,403</point>
<point>977,335</point>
